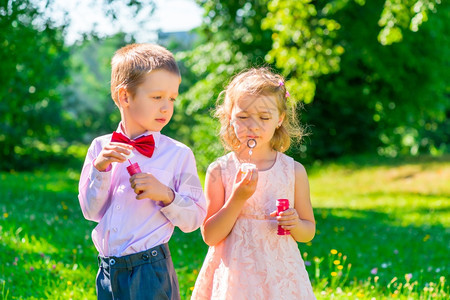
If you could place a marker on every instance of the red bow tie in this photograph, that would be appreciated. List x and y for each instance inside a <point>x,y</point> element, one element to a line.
<point>144,145</point>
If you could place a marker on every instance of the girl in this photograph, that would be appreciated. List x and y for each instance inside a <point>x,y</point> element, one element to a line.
<point>246,258</point>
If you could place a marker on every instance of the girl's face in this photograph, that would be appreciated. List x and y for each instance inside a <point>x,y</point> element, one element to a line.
<point>256,117</point>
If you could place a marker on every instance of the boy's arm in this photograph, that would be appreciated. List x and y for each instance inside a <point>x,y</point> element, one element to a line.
<point>93,186</point>
<point>188,208</point>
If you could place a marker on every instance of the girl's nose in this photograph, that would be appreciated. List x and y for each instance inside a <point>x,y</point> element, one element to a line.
<point>253,124</point>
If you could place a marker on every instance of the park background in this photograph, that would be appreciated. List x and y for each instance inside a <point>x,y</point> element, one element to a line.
<point>370,81</point>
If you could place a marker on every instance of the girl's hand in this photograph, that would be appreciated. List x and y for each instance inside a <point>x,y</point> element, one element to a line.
<point>288,219</point>
<point>146,185</point>
<point>112,152</point>
<point>245,184</point>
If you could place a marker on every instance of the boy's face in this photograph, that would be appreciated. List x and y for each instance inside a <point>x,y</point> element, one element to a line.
<point>151,108</point>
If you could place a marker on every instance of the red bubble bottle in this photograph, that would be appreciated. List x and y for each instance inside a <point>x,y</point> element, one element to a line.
<point>282,205</point>
<point>134,169</point>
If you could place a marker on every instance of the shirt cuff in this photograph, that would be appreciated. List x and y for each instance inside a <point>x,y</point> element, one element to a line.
<point>173,210</point>
<point>101,177</point>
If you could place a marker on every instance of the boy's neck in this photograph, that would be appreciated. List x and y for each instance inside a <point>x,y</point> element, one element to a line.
<point>131,132</point>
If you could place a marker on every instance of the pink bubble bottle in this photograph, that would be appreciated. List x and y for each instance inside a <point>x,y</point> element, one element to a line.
<point>282,205</point>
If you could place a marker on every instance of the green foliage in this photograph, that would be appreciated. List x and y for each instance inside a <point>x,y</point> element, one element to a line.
<point>403,14</point>
<point>303,45</point>
<point>399,209</point>
<point>361,92</point>
<point>88,105</point>
<point>34,63</point>
<point>386,99</point>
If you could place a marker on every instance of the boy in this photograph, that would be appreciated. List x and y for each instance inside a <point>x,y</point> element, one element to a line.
<point>136,215</point>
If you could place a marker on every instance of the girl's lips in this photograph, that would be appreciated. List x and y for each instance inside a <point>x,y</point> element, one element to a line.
<point>161,120</point>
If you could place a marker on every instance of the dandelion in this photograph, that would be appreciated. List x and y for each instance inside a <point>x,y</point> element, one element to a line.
<point>334,274</point>
<point>340,267</point>
<point>191,288</point>
<point>426,238</point>
<point>69,282</point>
<point>333,251</point>
<point>374,271</point>
<point>336,262</point>
<point>309,244</point>
<point>392,281</point>
<point>5,215</point>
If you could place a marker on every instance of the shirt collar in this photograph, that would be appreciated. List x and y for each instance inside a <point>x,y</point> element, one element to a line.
<point>156,134</point>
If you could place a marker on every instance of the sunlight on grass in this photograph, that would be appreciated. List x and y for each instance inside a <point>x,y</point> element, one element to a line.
<point>382,233</point>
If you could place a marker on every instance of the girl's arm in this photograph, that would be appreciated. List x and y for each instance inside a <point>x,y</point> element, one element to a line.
<point>221,215</point>
<point>300,219</point>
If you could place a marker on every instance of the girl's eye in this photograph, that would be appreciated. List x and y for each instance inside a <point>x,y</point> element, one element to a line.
<point>265,119</point>
<point>242,117</point>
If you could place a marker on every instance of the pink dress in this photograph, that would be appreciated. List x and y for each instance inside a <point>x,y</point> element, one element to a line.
<point>253,262</point>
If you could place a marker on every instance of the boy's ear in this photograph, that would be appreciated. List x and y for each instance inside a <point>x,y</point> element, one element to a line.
<point>123,97</point>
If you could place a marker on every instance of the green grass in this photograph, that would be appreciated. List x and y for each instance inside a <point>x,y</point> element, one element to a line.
<point>382,233</point>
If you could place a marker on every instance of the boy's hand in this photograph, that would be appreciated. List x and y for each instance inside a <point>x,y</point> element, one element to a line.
<point>287,219</point>
<point>112,152</point>
<point>245,184</point>
<point>146,185</point>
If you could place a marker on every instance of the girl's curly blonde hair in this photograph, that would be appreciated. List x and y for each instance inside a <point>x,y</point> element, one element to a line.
<point>257,82</point>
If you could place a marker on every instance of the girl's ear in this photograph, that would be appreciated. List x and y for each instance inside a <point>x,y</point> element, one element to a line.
<point>123,97</point>
<point>281,119</point>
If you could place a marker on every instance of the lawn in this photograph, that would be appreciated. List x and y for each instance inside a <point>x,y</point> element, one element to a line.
<point>382,233</point>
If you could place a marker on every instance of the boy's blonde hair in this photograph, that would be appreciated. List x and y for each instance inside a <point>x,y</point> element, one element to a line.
<point>131,63</point>
<point>257,82</point>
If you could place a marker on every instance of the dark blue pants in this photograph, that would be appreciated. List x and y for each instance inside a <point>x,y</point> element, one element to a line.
<point>145,275</point>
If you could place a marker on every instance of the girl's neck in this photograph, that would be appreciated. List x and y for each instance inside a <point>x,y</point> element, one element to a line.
<point>260,155</point>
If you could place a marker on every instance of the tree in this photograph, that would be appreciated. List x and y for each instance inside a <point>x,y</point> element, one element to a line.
<point>35,66</point>
<point>353,64</point>
<point>34,63</point>
<point>382,89</point>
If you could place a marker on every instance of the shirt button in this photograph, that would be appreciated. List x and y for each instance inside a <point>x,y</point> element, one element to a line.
<point>115,229</point>
<point>117,206</point>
